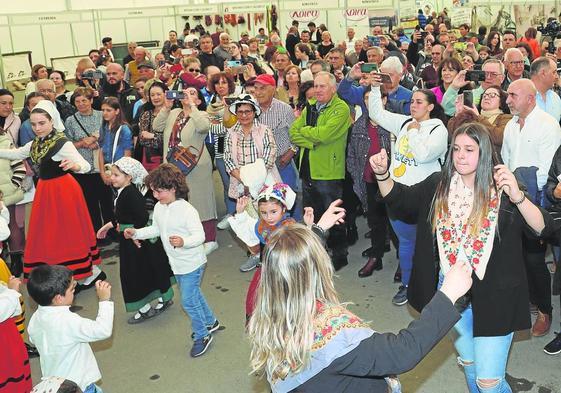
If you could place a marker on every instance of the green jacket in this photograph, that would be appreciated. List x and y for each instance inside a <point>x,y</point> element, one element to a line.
<point>326,141</point>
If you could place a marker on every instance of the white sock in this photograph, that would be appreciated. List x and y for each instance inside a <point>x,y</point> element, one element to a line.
<point>160,303</point>
<point>143,310</point>
<point>95,272</point>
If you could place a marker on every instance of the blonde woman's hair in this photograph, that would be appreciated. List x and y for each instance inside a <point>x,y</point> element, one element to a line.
<point>296,272</point>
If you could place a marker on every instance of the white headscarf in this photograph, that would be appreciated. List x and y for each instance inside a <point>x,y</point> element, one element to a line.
<point>135,170</point>
<point>50,108</point>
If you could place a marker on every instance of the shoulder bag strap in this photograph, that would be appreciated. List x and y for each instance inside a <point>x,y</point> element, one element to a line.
<point>115,143</point>
<point>80,124</point>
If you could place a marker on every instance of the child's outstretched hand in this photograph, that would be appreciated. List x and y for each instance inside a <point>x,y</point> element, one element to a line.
<point>14,283</point>
<point>241,203</point>
<point>176,241</point>
<point>308,216</point>
<point>103,289</point>
<point>334,215</point>
<point>129,233</point>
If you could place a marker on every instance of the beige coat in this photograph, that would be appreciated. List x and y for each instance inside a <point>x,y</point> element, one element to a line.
<point>199,180</point>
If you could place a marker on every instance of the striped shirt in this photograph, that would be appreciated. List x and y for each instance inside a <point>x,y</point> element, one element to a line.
<point>279,117</point>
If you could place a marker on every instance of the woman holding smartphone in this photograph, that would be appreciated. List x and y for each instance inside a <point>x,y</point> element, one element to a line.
<point>420,147</point>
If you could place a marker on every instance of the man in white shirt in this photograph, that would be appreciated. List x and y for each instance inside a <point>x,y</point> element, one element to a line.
<point>350,41</point>
<point>61,336</point>
<point>531,138</point>
<point>543,72</point>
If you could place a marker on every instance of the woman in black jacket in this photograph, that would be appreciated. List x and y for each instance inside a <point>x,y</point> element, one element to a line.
<point>472,211</point>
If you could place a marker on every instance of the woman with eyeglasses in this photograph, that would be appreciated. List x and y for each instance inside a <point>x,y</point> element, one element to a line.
<point>188,126</point>
<point>247,142</point>
<point>191,75</point>
<point>492,112</point>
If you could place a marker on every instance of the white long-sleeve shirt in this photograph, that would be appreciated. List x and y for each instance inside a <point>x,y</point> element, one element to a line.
<point>179,218</point>
<point>67,152</point>
<point>418,153</point>
<point>533,145</point>
<point>62,339</point>
<point>9,303</point>
<point>4,221</point>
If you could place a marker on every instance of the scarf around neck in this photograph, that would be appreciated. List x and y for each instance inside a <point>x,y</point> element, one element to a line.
<point>41,146</point>
<point>453,235</point>
<point>491,115</point>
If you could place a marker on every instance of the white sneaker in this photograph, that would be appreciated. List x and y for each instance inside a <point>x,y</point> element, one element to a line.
<point>210,247</point>
<point>224,224</point>
<point>250,264</point>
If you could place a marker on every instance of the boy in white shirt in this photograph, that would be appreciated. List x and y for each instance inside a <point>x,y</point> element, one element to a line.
<point>178,225</point>
<point>62,336</point>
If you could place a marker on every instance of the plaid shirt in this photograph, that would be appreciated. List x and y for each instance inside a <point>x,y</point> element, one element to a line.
<point>279,117</point>
<point>247,149</point>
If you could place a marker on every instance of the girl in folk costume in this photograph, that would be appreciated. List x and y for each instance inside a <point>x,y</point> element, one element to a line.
<point>145,271</point>
<point>273,202</point>
<point>305,340</point>
<point>60,215</point>
<point>15,374</point>
<point>477,214</point>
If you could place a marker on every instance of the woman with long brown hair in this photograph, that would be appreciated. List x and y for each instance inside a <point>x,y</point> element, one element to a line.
<point>472,212</point>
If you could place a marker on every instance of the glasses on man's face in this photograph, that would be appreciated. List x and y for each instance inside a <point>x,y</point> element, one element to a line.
<point>491,74</point>
<point>46,91</point>
<point>517,63</point>
<point>490,95</point>
<point>193,70</point>
<point>244,113</point>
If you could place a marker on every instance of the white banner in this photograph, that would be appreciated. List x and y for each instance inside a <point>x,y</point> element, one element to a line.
<point>16,67</point>
<point>355,14</point>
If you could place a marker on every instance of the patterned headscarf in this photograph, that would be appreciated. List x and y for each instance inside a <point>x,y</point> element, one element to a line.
<point>279,191</point>
<point>135,170</point>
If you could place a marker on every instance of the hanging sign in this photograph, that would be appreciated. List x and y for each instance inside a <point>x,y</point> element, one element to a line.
<point>198,9</point>
<point>43,19</point>
<point>355,14</point>
<point>370,3</point>
<point>16,66</point>
<point>305,5</point>
<point>134,13</point>
<point>244,8</point>
<point>304,15</point>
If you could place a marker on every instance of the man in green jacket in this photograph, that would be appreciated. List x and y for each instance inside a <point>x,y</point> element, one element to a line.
<point>321,133</point>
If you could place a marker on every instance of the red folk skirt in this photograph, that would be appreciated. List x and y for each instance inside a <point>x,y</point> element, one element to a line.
<point>60,230</point>
<point>15,374</point>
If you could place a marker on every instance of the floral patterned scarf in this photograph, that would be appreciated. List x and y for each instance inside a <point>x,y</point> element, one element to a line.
<point>453,235</point>
<point>41,146</point>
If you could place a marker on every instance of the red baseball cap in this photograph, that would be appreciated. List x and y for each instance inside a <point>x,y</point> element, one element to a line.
<point>266,79</point>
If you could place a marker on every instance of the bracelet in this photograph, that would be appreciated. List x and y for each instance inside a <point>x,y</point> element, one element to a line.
<point>385,178</point>
<point>518,202</point>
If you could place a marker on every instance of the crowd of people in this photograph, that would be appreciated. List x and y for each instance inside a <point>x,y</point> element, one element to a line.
<point>446,140</point>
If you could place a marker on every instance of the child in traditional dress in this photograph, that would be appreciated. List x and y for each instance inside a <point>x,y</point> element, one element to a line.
<point>61,336</point>
<point>273,204</point>
<point>145,271</point>
<point>15,374</point>
<point>178,225</point>
<point>60,229</point>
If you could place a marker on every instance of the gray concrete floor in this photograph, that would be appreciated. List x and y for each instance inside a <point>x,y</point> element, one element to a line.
<point>153,357</point>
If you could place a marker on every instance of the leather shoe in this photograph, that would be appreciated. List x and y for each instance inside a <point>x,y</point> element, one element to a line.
<point>542,325</point>
<point>368,252</point>
<point>371,265</point>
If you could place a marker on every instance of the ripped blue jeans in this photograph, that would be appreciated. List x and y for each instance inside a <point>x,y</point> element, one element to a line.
<point>482,358</point>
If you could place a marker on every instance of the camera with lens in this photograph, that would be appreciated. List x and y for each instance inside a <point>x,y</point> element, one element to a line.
<point>92,75</point>
<point>551,29</point>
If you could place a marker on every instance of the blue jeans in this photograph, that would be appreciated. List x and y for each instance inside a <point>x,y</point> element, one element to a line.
<point>406,233</point>
<point>230,203</point>
<point>93,388</point>
<point>481,357</point>
<point>290,176</point>
<point>194,302</point>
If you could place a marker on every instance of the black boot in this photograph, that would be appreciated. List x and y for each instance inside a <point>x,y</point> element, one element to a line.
<point>352,234</point>
<point>16,265</point>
